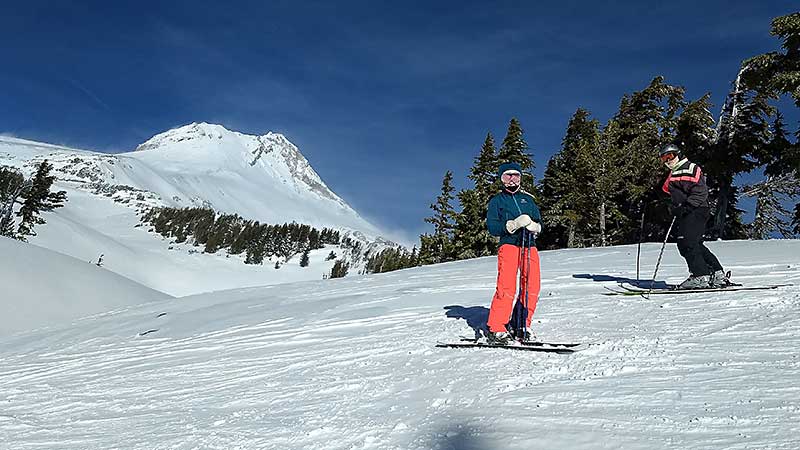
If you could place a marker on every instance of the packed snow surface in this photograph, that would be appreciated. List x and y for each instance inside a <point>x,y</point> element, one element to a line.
<point>351,364</point>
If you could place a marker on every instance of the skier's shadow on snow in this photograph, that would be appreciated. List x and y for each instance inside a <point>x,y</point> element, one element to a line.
<point>475,316</point>
<point>631,281</point>
<point>459,436</point>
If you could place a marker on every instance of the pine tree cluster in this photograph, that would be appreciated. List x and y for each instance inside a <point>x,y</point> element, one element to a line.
<point>340,268</point>
<point>34,195</point>
<point>204,227</point>
<point>392,259</point>
<point>603,187</point>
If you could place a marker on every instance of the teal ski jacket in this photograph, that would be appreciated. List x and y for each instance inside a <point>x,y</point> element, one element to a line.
<point>506,206</point>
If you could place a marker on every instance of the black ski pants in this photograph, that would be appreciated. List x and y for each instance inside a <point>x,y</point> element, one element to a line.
<point>691,226</point>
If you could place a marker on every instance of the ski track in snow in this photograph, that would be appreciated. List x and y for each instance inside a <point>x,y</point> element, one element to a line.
<point>351,364</point>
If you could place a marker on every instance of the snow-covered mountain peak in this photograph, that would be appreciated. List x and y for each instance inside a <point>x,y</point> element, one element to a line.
<point>193,132</point>
<point>205,148</point>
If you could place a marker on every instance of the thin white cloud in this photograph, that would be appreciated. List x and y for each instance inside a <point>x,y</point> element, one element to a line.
<point>97,100</point>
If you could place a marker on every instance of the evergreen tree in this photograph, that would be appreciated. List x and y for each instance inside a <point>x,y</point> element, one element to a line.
<point>566,201</point>
<point>796,219</point>
<point>774,74</point>
<point>314,239</point>
<point>781,156</point>
<point>741,138</point>
<point>442,219</point>
<point>257,247</point>
<point>515,149</point>
<point>606,173</point>
<point>695,129</point>
<point>38,199</point>
<point>429,249</point>
<point>245,235</point>
<point>12,184</point>
<point>391,259</point>
<point>483,172</point>
<point>438,246</point>
<point>782,169</point>
<point>769,216</point>
<point>471,238</point>
<point>646,120</point>
<point>304,258</point>
<point>339,269</point>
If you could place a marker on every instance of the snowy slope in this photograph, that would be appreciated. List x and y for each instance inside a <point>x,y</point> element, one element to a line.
<point>43,288</point>
<point>263,178</point>
<point>350,364</point>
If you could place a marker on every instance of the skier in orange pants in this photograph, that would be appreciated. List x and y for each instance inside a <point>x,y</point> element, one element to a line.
<point>514,217</point>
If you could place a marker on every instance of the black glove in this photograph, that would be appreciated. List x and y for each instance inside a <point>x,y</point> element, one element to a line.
<point>677,210</point>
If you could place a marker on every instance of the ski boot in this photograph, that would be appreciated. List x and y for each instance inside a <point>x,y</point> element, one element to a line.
<point>521,335</point>
<point>696,282</point>
<point>528,336</point>
<point>498,338</point>
<point>720,279</point>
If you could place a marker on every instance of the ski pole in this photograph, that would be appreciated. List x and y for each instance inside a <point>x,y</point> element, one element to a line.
<point>527,281</point>
<point>639,246</point>
<point>523,288</point>
<point>658,263</point>
<point>520,263</point>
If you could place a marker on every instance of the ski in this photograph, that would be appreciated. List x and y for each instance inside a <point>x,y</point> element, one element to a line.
<point>532,346</point>
<point>671,287</point>
<point>631,291</point>
<point>511,346</point>
<point>530,343</point>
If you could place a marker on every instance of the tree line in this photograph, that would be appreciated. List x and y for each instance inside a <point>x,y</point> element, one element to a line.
<point>230,232</point>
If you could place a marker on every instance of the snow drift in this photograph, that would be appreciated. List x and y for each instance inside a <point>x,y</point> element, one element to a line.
<point>43,288</point>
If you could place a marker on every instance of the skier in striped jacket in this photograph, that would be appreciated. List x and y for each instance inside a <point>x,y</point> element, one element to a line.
<point>686,186</point>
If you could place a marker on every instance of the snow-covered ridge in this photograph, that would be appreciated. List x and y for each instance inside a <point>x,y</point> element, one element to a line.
<point>264,178</point>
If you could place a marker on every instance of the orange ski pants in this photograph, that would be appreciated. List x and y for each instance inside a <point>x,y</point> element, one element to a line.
<point>510,261</point>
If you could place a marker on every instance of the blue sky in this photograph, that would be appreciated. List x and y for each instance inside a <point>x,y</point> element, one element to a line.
<point>381,97</point>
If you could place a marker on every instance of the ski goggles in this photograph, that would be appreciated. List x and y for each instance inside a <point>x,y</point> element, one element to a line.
<point>511,176</point>
<point>668,157</point>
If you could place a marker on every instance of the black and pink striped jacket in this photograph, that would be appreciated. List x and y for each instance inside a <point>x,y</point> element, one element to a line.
<point>686,185</point>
